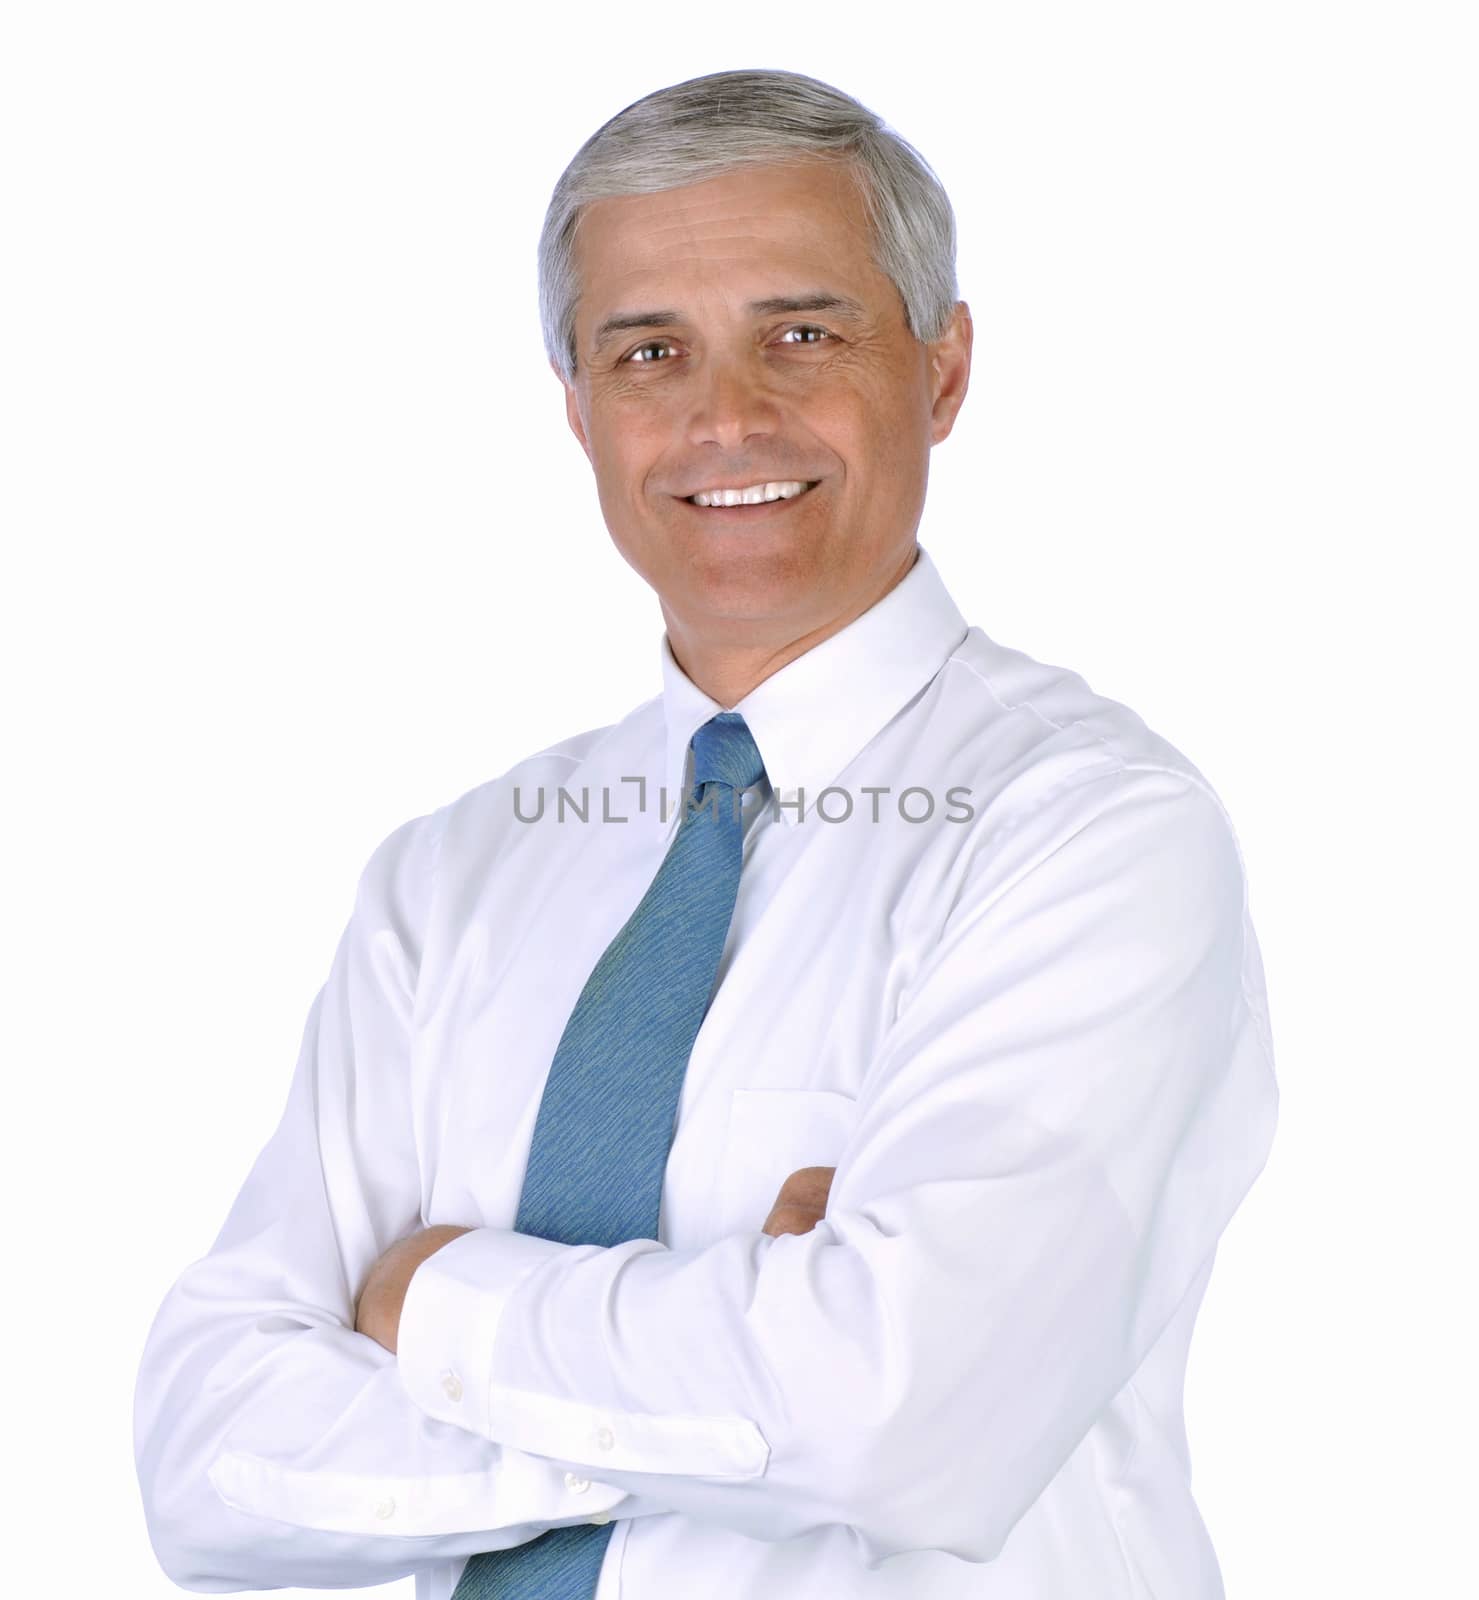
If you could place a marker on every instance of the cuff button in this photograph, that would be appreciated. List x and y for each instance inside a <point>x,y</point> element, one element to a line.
<point>385,1509</point>
<point>452,1386</point>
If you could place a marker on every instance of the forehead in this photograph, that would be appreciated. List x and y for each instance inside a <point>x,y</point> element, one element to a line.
<point>806,218</point>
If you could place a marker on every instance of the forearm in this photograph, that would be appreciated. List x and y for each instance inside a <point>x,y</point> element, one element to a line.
<point>275,1445</point>
<point>273,1452</point>
<point>777,1386</point>
<point>1065,1115</point>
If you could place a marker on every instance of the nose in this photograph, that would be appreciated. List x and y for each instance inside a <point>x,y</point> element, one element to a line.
<point>730,403</point>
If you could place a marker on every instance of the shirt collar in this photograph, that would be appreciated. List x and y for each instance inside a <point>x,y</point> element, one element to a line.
<point>817,712</point>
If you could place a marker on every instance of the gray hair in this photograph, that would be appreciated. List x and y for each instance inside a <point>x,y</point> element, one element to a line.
<point>707,127</point>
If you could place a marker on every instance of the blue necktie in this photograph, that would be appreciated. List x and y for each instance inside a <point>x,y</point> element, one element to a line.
<point>605,1124</point>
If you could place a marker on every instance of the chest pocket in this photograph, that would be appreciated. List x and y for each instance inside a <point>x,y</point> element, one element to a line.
<point>771,1133</point>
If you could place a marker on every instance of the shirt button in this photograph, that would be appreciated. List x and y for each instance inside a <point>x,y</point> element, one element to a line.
<point>604,1438</point>
<point>575,1484</point>
<point>452,1386</point>
<point>386,1508</point>
<point>599,1518</point>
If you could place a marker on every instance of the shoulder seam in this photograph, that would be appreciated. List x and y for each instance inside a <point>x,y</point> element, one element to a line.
<point>1194,780</point>
<point>1026,705</point>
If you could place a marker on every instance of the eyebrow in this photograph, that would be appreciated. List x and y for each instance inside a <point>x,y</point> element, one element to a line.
<point>626,321</point>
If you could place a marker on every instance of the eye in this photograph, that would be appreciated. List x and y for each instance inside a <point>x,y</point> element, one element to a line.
<point>808,327</point>
<point>639,358</point>
<point>651,344</point>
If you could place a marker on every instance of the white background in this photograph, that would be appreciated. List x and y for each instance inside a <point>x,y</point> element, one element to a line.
<point>297,545</point>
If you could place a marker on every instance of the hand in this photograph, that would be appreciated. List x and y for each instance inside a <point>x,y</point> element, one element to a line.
<point>378,1310</point>
<point>802,1202</point>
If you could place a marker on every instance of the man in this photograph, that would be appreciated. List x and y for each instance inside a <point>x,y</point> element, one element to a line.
<point>936,1028</point>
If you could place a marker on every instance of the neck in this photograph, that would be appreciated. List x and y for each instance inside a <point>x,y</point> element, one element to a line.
<point>727,669</point>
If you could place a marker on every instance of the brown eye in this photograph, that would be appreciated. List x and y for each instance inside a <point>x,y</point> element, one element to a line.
<point>652,344</point>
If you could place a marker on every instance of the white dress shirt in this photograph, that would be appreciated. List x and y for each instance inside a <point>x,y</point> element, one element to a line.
<point>991,958</point>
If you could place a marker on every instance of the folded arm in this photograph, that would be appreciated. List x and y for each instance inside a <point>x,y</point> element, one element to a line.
<point>275,1445</point>
<point>1071,1103</point>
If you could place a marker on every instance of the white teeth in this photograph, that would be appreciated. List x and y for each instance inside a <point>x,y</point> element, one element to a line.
<point>756,495</point>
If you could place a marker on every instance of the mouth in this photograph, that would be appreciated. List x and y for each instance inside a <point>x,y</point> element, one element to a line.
<point>742,513</point>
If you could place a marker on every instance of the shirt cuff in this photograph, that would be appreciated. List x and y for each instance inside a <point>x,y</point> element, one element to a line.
<point>454,1307</point>
<point>449,1321</point>
<point>519,1494</point>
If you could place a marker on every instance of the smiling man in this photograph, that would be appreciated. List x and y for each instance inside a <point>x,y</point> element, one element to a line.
<point>737,339</point>
<point>774,1145</point>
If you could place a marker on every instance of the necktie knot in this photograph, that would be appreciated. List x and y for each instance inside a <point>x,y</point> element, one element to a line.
<point>724,751</point>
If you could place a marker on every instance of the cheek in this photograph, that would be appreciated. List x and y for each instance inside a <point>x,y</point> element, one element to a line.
<point>863,441</point>
<point>893,441</point>
<point>626,446</point>
<point>865,419</point>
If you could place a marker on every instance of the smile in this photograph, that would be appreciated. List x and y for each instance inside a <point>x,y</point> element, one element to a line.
<point>756,497</point>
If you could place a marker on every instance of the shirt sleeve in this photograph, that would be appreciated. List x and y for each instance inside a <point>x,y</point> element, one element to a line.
<point>275,1445</point>
<point>1069,1105</point>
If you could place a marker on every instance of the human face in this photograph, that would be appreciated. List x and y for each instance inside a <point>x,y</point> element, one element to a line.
<point>715,388</point>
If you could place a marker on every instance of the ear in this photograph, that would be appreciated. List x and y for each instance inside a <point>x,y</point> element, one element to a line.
<point>950,372</point>
<point>572,411</point>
